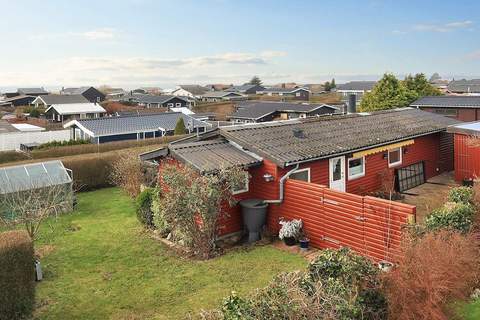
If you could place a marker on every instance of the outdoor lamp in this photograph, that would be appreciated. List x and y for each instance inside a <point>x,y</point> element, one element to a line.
<point>267,177</point>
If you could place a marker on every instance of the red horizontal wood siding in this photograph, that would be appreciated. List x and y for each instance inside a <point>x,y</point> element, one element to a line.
<point>467,157</point>
<point>372,227</point>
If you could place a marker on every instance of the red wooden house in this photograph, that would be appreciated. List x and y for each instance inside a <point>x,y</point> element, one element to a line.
<point>467,150</point>
<point>356,153</point>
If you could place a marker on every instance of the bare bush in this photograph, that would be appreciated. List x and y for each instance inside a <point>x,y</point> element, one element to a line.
<point>434,270</point>
<point>127,173</point>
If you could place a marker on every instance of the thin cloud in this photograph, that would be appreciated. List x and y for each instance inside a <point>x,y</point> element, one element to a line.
<point>439,28</point>
<point>95,34</point>
<point>475,55</point>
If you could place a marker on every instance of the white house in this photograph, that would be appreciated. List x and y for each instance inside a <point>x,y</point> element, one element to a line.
<point>64,112</point>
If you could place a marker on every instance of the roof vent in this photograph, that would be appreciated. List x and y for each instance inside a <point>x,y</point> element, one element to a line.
<point>298,133</point>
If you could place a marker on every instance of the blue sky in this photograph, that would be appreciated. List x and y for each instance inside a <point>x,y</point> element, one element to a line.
<point>134,43</point>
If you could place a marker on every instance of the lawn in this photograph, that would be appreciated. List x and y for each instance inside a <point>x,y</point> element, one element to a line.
<point>99,264</point>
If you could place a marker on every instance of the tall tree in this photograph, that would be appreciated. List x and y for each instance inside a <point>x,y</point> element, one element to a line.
<point>327,86</point>
<point>256,80</point>
<point>332,84</point>
<point>388,93</point>
<point>418,86</point>
<point>180,127</point>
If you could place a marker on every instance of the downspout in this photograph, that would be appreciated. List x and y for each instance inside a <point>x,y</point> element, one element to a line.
<point>282,186</point>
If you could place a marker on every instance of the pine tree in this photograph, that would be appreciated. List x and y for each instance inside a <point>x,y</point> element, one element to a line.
<point>332,84</point>
<point>180,127</point>
<point>256,81</point>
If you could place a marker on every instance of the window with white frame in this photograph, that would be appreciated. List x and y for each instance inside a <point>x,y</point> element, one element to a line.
<point>170,105</point>
<point>242,186</point>
<point>301,174</point>
<point>356,168</point>
<point>178,104</point>
<point>395,157</point>
<point>298,93</point>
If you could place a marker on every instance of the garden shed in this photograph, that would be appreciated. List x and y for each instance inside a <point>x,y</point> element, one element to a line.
<point>467,150</point>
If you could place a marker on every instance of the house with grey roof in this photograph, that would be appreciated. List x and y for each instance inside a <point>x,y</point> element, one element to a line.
<point>215,96</point>
<point>192,91</point>
<point>153,101</point>
<point>463,108</point>
<point>46,101</point>
<point>70,111</point>
<point>346,152</point>
<point>246,88</point>
<point>299,93</point>
<point>90,93</point>
<point>262,111</point>
<point>33,92</point>
<point>465,87</point>
<point>131,127</point>
<point>16,101</point>
<point>357,88</point>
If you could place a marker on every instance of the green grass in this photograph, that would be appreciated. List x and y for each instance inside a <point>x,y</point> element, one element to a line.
<point>470,311</point>
<point>101,265</point>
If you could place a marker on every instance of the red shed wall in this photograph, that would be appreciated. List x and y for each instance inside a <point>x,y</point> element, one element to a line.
<point>467,157</point>
<point>462,114</point>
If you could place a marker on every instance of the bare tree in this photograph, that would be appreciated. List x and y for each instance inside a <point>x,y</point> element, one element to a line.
<point>31,207</point>
<point>127,173</point>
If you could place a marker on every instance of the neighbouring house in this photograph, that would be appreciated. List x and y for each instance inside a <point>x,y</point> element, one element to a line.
<point>34,92</point>
<point>114,93</point>
<point>70,111</point>
<point>262,111</point>
<point>47,100</point>
<point>439,83</point>
<point>218,87</point>
<point>215,96</point>
<point>90,93</point>
<point>152,101</point>
<point>292,93</point>
<point>131,127</point>
<point>246,89</point>
<point>26,127</point>
<point>357,88</point>
<point>17,101</point>
<point>467,150</point>
<point>25,177</point>
<point>463,108</point>
<point>316,89</point>
<point>192,91</point>
<point>464,87</point>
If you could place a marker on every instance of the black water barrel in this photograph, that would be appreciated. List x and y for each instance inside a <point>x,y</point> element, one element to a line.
<point>254,213</point>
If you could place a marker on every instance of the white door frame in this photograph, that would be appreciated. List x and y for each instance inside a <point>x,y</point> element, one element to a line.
<point>339,184</point>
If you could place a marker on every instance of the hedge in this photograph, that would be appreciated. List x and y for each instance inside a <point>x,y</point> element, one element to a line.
<point>453,215</point>
<point>91,171</point>
<point>17,275</point>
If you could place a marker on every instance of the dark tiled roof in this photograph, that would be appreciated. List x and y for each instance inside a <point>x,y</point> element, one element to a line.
<point>31,91</point>
<point>79,90</point>
<point>212,154</point>
<point>149,98</point>
<point>63,98</point>
<point>137,123</point>
<point>283,90</point>
<point>464,86</point>
<point>448,101</point>
<point>257,109</point>
<point>194,89</point>
<point>221,94</point>
<point>326,137</point>
<point>357,85</point>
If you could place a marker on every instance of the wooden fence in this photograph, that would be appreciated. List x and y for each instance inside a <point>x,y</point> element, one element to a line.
<point>332,219</point>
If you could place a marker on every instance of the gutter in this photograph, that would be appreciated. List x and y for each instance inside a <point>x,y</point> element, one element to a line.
<point>282,186</point>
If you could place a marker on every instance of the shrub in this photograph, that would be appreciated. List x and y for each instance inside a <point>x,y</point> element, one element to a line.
<point>337,285</point>
<point>56,143</point>
<point>434,271</point>
<point>144,207</point>
<point>461,195</point>
<point>34,113</point>
<point>12,156</point>
<point>17,277</point>
<point>290,229</point>
<point>180,127</point>
<point>455,216</point>
<point>127,173</point>
<point>91,171</point>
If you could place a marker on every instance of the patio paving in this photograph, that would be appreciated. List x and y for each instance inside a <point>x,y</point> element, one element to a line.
<point>430,195</point>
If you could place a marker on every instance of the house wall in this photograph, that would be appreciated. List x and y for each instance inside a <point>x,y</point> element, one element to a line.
<point>93,95</point>
<point>424,149</point>
<point>467,157</point>
<point>461,114</point>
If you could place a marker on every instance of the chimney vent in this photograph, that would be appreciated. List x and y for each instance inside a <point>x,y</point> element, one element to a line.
<point>352,104</point>
<point>298,133</point>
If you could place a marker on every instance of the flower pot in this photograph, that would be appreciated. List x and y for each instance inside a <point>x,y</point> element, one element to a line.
<point>290,241</point>
<point>304,243</point>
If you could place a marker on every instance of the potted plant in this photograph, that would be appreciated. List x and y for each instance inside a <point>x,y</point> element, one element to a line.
<point>290,231</point>
<point>304,241</point>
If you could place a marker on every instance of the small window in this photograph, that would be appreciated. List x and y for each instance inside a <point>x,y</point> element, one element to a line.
<point>394,157</point>
<point>98,99</point>
<point>243,186</point>
<point>169,105</point>
<point>356,168</point>
<point>178,104</point>
<point>298,94</point>
<point>301,174</point>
